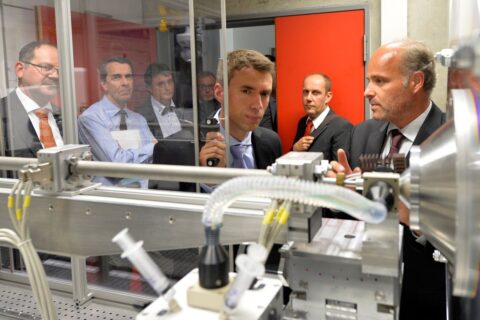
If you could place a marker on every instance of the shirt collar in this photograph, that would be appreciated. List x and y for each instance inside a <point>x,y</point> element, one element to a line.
<point>29,104</point>
<point>410,131</point>
<point>158,105</point>
<point>111,109</point>
<point>319,119</point>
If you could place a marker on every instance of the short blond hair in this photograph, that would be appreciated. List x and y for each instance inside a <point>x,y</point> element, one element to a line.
<point>245,58</point>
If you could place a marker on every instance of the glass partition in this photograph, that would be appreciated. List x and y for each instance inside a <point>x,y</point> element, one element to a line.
<point>30,107</point>
<point>135,71</point>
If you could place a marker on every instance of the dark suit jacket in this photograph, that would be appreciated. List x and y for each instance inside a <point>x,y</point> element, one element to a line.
<point>265,143</point>
<point>423,288</point>
<point>328,137</point>
<point>147,112</point>
<point>266,147</point>
<point>269,119</point>
<point>19,136</point>
<point>370,136</point>
<point>206,109</point>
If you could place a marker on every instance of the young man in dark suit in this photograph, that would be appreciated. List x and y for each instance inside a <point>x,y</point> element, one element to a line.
<point>250,79</point>
<point>24,132</point>
<point>401,77</point>
<point>320,130</point>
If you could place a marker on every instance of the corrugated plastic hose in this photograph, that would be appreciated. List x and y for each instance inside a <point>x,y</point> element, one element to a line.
<point>291,189</point>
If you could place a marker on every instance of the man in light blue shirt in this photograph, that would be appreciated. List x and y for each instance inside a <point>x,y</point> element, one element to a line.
<point>114,132</point>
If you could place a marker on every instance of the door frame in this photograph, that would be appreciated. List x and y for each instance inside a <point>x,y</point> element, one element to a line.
<point>268,18</point>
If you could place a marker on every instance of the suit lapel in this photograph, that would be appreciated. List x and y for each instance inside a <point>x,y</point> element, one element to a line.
<point>22,142</point>
<point>257,150</point>
<point>322,126</point>
<point>433,121</point>
<point>376,140</point>
<point>152,121</point>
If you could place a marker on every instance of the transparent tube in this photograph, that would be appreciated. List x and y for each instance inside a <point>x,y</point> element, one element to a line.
<point>142,261</point>
<point>301,191</point>
<point>249,266</point>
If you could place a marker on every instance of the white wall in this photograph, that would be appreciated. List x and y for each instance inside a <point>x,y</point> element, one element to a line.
<point>393,24</point>
<point>261,38</point>
<point>19,24</point>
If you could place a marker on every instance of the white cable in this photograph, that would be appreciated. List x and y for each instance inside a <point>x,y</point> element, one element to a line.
<point>18,205</point>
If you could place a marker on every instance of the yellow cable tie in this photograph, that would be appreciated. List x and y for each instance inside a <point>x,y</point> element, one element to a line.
<point>10,202</point>
<point>19,214</point>
<point>268,218</point>
<point>283,219</point>
<point>26,201</point>
<point>280,212</point>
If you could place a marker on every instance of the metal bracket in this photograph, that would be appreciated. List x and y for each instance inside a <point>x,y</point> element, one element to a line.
<point>305,220</point>
<point>381,245</point>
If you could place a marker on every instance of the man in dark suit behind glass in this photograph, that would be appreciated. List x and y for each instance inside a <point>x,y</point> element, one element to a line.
<point>22,109</point>
<point>30,121</point>
<point>401,77</point>
<point>250,80</point>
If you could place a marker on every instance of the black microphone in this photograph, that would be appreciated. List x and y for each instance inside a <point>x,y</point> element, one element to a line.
<point>211,125</point>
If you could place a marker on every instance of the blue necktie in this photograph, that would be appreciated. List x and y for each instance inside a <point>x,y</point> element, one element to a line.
<point>238,152</point>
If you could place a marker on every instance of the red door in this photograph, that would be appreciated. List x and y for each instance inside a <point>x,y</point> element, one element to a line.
<point>330,43</point>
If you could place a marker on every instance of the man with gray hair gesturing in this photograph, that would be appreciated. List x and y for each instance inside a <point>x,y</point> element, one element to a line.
<point>401,77</point>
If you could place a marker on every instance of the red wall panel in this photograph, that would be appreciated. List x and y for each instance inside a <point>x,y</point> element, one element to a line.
<point>330,43</point>
<point>97,38</point>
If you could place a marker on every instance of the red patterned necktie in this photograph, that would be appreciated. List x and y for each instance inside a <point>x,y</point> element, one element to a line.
<point>46,134</point>
<point>308,128</point>
<point>397,138</point>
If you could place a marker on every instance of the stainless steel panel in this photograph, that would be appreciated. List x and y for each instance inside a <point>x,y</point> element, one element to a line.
<point>85,224</point>
<point>437,188</point>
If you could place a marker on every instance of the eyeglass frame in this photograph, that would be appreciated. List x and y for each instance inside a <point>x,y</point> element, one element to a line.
<point>42,67</point>
<point>206,86</point>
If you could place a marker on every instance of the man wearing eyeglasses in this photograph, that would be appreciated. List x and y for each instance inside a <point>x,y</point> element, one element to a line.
<point>30,121</point>
<point>169,124</point>
<point>164,118</point>
<point>207,104</point>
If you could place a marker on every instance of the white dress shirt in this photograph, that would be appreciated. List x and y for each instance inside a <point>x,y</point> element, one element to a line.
<point>169,123</point>
<point>319,119</point>
<point>410,132</point>
<point>30,107</point>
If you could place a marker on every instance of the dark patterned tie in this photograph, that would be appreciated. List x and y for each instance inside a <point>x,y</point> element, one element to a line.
<point>397,139</point>
<point>123,120</point>
<point>238,152</point>
<point>167,110</point>
<point>308,128</point>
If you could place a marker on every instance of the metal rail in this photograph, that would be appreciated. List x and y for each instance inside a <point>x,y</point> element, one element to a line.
<point>163,172</point>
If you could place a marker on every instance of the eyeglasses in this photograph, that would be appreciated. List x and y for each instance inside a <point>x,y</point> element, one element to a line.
<point>206,87</point>
<point>44,68</point>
